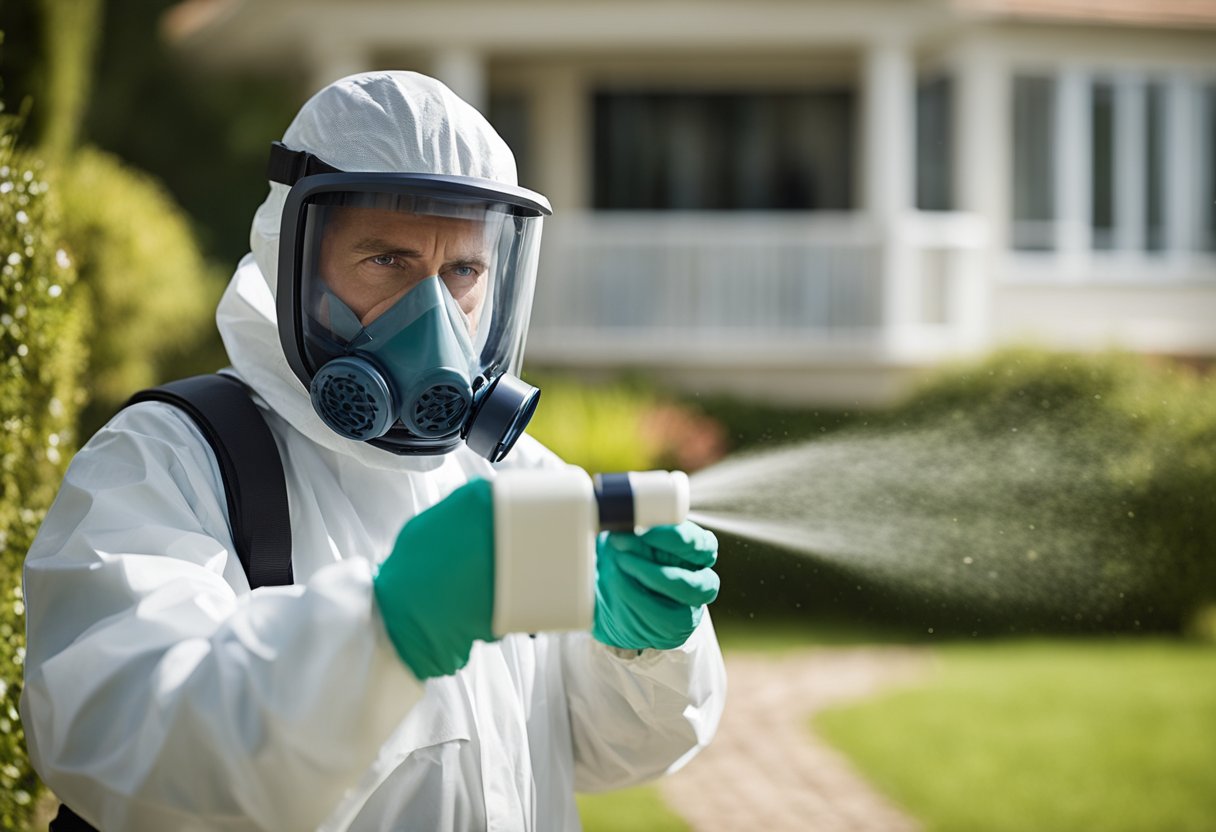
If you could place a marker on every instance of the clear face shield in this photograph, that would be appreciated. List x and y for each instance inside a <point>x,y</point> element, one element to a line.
<point>403,306</point>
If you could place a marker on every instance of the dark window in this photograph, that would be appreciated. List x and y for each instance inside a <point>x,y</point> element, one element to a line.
<point>1102,150</point>
<point>1034,162</point>
<point>508,112</point>
<point>934,145</point>
<point>1154,167</point>
<point>724,151</point>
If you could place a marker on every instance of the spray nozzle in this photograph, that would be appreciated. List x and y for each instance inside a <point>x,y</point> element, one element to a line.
<point>641,499</point>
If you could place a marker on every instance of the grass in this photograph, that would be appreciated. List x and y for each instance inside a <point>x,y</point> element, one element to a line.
<point>639,809</point>
<point>737,634</point>
<point>642,809</point>
<point>1061,735</point>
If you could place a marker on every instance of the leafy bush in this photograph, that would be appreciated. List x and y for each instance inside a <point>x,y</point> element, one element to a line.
<point>622,427</point>
<point>150,292</point>
<point>41,341</point>
<point>1138,438</point>
<point>1030,491</point>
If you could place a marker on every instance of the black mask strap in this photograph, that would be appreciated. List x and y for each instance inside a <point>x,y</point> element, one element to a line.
<point>287,166</point>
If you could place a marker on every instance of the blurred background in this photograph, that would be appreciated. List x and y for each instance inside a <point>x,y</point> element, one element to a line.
<point>778,225</point>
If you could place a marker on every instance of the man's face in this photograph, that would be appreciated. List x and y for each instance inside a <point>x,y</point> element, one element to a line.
<point>370,257</point>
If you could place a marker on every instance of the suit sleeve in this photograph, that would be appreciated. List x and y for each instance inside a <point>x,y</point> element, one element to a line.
<point>637,715</point>
<point>160,693</point>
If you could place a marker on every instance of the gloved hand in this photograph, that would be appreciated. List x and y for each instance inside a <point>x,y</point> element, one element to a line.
<point>436,589</point>
<point>651,589</point>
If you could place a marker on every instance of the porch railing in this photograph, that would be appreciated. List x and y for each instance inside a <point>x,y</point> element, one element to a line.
<point>745,287</point>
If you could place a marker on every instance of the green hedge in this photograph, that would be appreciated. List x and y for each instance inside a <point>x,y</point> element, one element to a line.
<point>1132,467</point>
<point>1030,491</point>
<point>151,294</point>
<point>41,328</point>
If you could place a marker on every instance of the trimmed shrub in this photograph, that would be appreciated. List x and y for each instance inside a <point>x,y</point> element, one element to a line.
<point>151,294</point>
<point>1132,468</point>
<point>1032,491</point>
<point>598,428</point>
<point>622,427</point>
<point>43,353</point>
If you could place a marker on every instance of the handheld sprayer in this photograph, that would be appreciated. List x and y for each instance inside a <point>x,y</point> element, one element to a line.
<point>545,525</point>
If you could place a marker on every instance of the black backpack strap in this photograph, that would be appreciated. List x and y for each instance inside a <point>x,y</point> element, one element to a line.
<point>249,464</point>
<point>69,821</point>
<point>254,484</point>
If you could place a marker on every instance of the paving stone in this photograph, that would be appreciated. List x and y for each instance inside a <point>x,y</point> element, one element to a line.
<point>766,769</point>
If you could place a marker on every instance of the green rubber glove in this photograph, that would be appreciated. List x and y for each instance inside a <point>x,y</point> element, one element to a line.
<point>651,589</point>
<point>436,589</point>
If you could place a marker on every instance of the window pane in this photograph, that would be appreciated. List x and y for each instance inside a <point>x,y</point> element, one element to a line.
<point>1102,143</point>
<point>724,151</point>
<point>1034,101</point>
<point>934,148</point>
<point>1154,166</point>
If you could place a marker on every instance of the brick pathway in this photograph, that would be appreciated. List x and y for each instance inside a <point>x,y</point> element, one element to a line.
<point>766,770</point>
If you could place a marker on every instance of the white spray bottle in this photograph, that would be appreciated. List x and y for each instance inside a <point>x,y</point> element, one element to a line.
<point>545,525</point>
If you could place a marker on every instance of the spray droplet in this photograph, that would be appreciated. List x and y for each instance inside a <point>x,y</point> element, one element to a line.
<point>968,560</point>
<point>1032,555</point>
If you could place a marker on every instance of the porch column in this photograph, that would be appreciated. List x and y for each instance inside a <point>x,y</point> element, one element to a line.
<point>889,94</point>
<point>560,127</point>
<point>981,181</point>
<point>1074,168</point>
<point>1182,152</point>
<point>982,131</point>
<point>464,71</point>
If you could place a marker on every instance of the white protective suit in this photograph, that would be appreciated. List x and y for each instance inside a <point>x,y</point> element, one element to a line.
<point>162,694</point>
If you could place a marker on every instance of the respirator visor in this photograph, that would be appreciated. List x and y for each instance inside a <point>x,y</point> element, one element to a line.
<point>408,298</point>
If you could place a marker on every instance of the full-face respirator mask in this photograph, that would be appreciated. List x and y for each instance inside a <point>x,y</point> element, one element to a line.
<point>403,303</point>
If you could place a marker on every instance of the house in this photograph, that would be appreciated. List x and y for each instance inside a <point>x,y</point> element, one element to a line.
<point>814,199</point>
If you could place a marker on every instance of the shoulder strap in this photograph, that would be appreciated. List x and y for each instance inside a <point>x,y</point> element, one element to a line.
<point>249,464</point>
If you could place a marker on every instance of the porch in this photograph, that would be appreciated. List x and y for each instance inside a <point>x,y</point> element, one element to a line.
<point>708,289</point>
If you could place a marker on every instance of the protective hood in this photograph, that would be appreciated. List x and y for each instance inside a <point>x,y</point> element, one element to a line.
<point>404,123</point>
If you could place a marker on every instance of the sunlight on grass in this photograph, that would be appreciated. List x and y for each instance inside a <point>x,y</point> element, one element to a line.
<point>639,809</point>
<point>1066,735</point>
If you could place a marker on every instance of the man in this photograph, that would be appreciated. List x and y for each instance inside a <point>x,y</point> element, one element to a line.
<point>378,319</point>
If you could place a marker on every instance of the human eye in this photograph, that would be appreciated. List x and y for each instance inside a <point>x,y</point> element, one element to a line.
<point>464,271</point>
<point>383,260</point>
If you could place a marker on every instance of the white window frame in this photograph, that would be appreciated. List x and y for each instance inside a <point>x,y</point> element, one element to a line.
<point>1074,260</point>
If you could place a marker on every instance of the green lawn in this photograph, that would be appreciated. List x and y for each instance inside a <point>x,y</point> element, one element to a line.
<point>630,810</point>
<point>642,809</point>
<point>1046,735</point>
<point>777,637</point>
